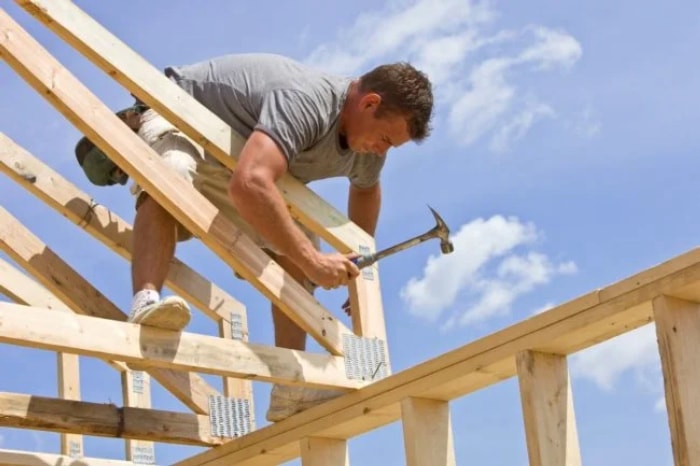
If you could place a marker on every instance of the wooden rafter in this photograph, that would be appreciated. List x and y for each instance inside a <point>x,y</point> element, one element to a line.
<point>27,458</point>
<point>107,227</point>
<point>104,420</point>
<point>42,328</point>
<point>41,70</point>
<point>565,329</point>
<point>149,84</point>
<point>81,297</point>
<point>535,349</point>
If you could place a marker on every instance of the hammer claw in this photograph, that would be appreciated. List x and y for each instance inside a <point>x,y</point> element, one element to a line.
<point>440,230</point>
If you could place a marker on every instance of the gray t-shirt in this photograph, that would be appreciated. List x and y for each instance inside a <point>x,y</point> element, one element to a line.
<point>297,106</point>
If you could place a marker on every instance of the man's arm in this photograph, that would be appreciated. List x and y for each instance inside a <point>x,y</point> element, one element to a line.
<point>364,205</point>
<point>259,202</point>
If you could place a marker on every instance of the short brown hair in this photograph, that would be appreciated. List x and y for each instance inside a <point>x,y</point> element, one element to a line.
<point>404,90</point>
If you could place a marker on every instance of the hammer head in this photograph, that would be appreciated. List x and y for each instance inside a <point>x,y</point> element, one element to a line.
<point>442,232</point>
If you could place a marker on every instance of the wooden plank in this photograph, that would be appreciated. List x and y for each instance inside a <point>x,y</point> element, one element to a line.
<point>489,360</point>
<point>41,70</point>
<point>151,86</point>
<point>32,458</point>
<point>367,308</point>
<point>136,393</point>
<point>317,451</point>
<point>678,331</point>
<point>23,290</point>
<point>427,432</point>
<point>111,230</point>
<point>41,328</point>
<point>104,420</point>
<point>69,389</point>
<point>107,227</point>
<point>235,387</point>
<point>548,409</point>
<point>81,297</point>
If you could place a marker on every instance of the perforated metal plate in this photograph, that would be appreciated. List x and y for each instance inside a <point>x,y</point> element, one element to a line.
<point>74,450</point>
<point>229,417</point>
<point>143,455</point>
<point>367,272</point>
<point>137,381</point>
<point>236,326</point>
<point>365,358</point>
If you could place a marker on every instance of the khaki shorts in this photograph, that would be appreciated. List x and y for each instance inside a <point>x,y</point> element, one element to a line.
<point>205,173</point>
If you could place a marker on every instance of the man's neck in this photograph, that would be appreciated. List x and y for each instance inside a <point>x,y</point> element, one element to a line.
<point>350,99</point>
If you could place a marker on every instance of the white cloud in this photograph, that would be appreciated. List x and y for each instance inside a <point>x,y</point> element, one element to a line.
<point>483,277</point>
<point>518,126</point>
<point>473,69</point>
<point>479,109</point>
<point>404,26</point>
<point>660,405</point>
<point>586,124</point>
<point>552,49</point>
<point>605,363</point>
<point>546,307</point>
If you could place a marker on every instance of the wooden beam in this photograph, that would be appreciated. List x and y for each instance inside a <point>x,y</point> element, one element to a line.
<point>548,409</point>
<point>148,83</point>
<point>136,393</point>
<point>235,387</point>
<point>107,227</point>
<point>471,367</point>
<point>317,451</point>
<point>104,420</point>
<point>31,458</point>
<point>81,297</point>
<point>23,290</point>
<point>41,328</point>
<point>69,389</point>
<point>427,432</point>
<point>41,70</point>
<point>678,331</point>
<point>115,233</point>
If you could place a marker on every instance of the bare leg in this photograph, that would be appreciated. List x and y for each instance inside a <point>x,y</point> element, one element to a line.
<point>287,333</point>
<point>288,400</point>
<point>154,237</point>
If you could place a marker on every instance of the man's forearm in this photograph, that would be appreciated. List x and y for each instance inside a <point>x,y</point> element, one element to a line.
<point>364,206</point>
<point>263,207</point>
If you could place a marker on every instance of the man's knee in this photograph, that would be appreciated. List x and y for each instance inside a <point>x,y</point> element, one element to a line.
<point>149,211</point>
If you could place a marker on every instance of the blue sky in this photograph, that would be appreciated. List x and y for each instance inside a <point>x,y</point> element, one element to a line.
<point>563,157</point>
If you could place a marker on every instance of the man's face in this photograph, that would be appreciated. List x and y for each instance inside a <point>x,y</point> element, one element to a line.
<point>366,133</point>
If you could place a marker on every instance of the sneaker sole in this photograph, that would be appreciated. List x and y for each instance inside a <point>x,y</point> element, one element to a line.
<point>172,314</point>
<point>278,415</point>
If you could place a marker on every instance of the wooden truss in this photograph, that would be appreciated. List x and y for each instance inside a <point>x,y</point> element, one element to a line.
<point>57,309</point>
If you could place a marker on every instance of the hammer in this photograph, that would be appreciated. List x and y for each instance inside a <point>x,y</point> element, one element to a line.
<point>440,230</point>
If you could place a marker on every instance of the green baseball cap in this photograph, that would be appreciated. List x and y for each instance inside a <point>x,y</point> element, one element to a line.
<point>99,168</point>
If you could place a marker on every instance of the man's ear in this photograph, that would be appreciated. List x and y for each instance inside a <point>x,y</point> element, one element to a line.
<point>370,100</point>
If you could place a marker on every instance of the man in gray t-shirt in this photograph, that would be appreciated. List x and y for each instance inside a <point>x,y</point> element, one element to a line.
<point>294,119</point>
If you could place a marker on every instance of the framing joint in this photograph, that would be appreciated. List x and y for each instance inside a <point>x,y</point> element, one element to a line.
<point>365,358</point>
<point>229,417</point>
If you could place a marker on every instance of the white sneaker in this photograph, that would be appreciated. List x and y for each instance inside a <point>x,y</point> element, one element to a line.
<point>287,400</point>
<point>171,313</point>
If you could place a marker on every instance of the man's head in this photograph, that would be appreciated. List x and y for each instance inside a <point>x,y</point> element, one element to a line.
<point>99,168</point>
<point>388,106</point>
